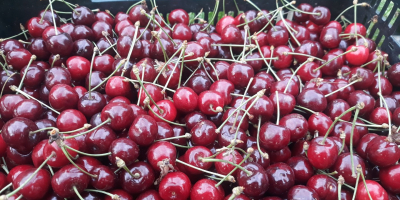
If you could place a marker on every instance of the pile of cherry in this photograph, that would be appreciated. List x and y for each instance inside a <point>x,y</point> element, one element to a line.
<point>132,107</point>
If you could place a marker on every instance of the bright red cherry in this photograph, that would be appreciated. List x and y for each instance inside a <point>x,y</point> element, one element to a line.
<point>205,188</point>
<point>161,154</point>
<point>383,153</point>
<point>178,16</point>
<point>210,102</point>
<point>375,190</point>
<point>120,114</point>
<point>143,130</point>
<point>68,177</point>
<point>322,155</point>
<point>175,185</point>
<point>168,111</point>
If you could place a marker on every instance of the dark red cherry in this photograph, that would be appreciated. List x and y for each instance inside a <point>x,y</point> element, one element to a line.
<point>203,133</point>
<point>70,119</point>
<point>205,188</point>
<point>99,140</point>
<point>385,85</point>
<point>137,185</point>
<point>277,36</point>
<point>380,116</point>
<point>257,183</point>
<point>199,83</point>
<point>319,122</point>
<point>57,75</point>
<point>359,96</point>
<point>302,192</point>
<point>388,176</point>
<point>67,28</point>
<point>143,130</point>
<point>105,179</point>
<point>325,186</point>
<point>168,111</point>
<point>302,17</point>
<point>178,16</point>
<point>192,157</point>
<point>29,109</point>
<point>18,58</point>
<point>38,48</point>
<point>329,37</point>
<point>62,97</point>
<point>36,187</point>
<point>302,168</point>
<point>381,152</point>
<point>312,99</point>
<point>14,158</point>
<point>103,63</point>
<point>175,185</point>
<point>343,166</point>
<point>231,35</point>
<point>209,102</point>
<point>16,134</point>
<point>322,155</point>
<point>296,124</point>
<point>172,73</point>
<point>323,18</point>
<point>286,101</point>
<point>88,162</point>
<point>104,17</point>
<point>366,75</point>
<point>263,108</point>
<point>7,105</point>
<point>161,153</point>
<point>225,168</point>
<point>120,114</point>
<point>284,60</point>
<point>60,159</point>
<point>90,104</point>
<point>83,16</point>
<point>59,44</point>
<point>82,32</point>
<point>336,108</point>
<point>240,74</point>
<point>375,190</point>
<point>393,73</point>
<point>277,184</point>
<point>68,177</point>
<point>185,99</point>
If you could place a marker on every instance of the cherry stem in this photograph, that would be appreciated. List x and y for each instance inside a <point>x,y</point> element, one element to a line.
<point>384,125</point>
<point>88,154</point>
<point>158,24</point>
<point>143,70</point>
<point>249,173</point>
<point>170,122</point>
<point>51,170</point>
<point>113,196</point>
<point>343,138</point>
<point>39,130</point>
<point>95,50</point>
<point>334,122</point>
<point>184,45</point>
<point>52,14</point>
<point>111,75</point>
<point>289,28</point>
<point>245,92</point>
<point>243,117</point>
<point>302,54</point>
<point>4,165</point>
<point>137,24</point>
<point>306,109</point>
<point>215,12</point>
<point>218,109</point>
<point>359,169</point>
<point>45,10</point>
<point>379,58</point>
<point>349,186</point>
<point>31,176</point>
<point>121,165</point>
<point>67,155</point>
<point>351,139</point>
<point>136,81</point>
<point>33,57</point>
<point>359,4</point>
<point>135,71</point>
<point>56,58</point>
<point>105,34</point>
<point>264,155</point>
<point>155,6</point>
<point>203,170</point>
<point>340,183</point>
<point>351,50</point>
<point>204,67</point>
<point>197,16</point>
<point>77,193</point>
<point>212,66</point>
<point>186,136</point>
<point>181,146</point>
<point>295,72</point>
<point>88,131</point>
<point>14,36</point>
<point>278,107</point>
<point>4,85</point>
<point>5,188</point>
<point>236,110</point>
<point>133,5</point>
<point>388,112</point>
<point>266,63</point>
<point>351,83</point>
<point>355,19</point>
<point>14,88</point>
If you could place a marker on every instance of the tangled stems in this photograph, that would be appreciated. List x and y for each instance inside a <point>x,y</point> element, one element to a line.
<point>358,108</point>
<point>230,179</point>
<point>122,62</point>
<point>295,72</point>
<point>88,131</point>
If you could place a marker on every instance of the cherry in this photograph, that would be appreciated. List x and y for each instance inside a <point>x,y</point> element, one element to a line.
<point>18,58</point>
<point>343,166</point>
<point>325,186</point>
<point>277,36</point>
<point>119,114</point>
<point>175,185</point>
<point>277,184</point>
<point>301,191</point>
<point>178,16</point>
<point>149,194</point>
<point>62,97</point>
<point>353,27</point>
<point>257,183</point>
<point>121,193</point>
<point>91,103</point>
<point>392,73</point>
<point>302,168</point>
<point>116,86</point>
<point>137,185</point>
<point>380,116</point>
<point>313,99</point>
<point>360,96</point>
<point>375,190</point>
<point>168,111</point>
<point>3,147</point>
<point>155,93</point>
<point>185,99</point>
<point>103,63</point>
<point>16,134</point>
<point>99,140</point>
<point>365,74</point>
<point>296,124</point>
<point>105,179</point>
<point>78,67</point>
<point>258,84</point>
<point>385,85</point>
<point>236,118</point>
<point>57,75</point>
<point>322,155</point>
<point>28,108</point>
<point>302,17</point>
<point>199,83</point>
<point>104,17</point>
<point>170,73</point>
<point>357,57</point>
<point>38,48</point>
<point>203,133</point>
<point>381,152</point>
<point>240,74</point>
<point>105,47</point>
<point>143,130</point>
<point>125,149</point>
<point>225,168</point>
<point>160,153</point>
<point>284,60</point>
<point>66,179</point>
<point>225,88</point>
<point>345,127</point>
<point>59,44</point>
<point>7,105</point>
<point>323,17</point>
<point>336,108</point>
<point>205,188</point>
<point>36,187</point>
<point>286,101</point>
<point>60,159</point>
<point>274,137</point>
<point>192,157</point>
<point>88,162</point>
<point>210,102</point>
<point>329,37</point>
<point>231,35</point>
<point>67,28</point>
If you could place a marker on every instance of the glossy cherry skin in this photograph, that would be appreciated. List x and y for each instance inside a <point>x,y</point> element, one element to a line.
<point>125,149</point>
<point>169,111</point>
<point>141,184</point>
<point>83,16</point>
<point>88,162</point>
<point>90,104</point>
<point>149,194</point>
<point>382,153</point>
<point>185,99</point>
<point>380,116</point>
<point>297,125</point>
<point>357,57</point>
<point>231,35</point>
<point>37,187</point>
<point>323,18</point>
<point>99,140</point>
<point>209,99</point>
<point>57,75</point>
<point>236,118</point>
<point>302,192</point>
<point>322,156</point>
<point>121,115</point>
<point>70,119</point>
<point>62,97</point>
<point>161,151</point>
<point>121,193</point>
<point>203,133</point>
<point>302,168</point>
<point>365,74</point>
<point>178,16</point>
<point>59,44</point>
<point>60,159</point>
<point>286,101</point>
<point>105,180</point>
<point>3,146</point>
<point>143,130</point>
<point>386,87</point>
<point>343,167</point>
<point>192,156</point>
<point>15,134</point>
<point>205,189</point>
<point>329,37</point>
<point>277,36</point>
<point>336,108</point>
<point>225,168</point>
<point>360,96</point>
<point>281,178</point>
<point>29,109</point>
<point>263,108</point>
<point>312,99</point>
<point>283,61</point>
<point>68,177</point>
<point>388,176</point>
<point>325,186</point>
<point>375,190</point>
<point>175,185</point>
<point>274,137</point>
<point>393,73</point>
<point>256,184</point>
<point>116,86</point>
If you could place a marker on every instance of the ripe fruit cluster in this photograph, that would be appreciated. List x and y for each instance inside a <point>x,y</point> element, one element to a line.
<point>133,106</point>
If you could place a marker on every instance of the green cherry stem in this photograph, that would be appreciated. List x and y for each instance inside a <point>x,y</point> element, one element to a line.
<point>95,50</point>
<point>5,188</point>
<point>213,17</point>
<point>359,170</point>
<point>340,183</point>
<point>262,56</point>
<point>162,118</point>
<point>122,62</point>
<point>359,106</point>
<point>88,154</point>
<point>52,14</point>
<point>232,179</point>
<point>33,57</point>
<point>113,196</point>
<point>88,131</point>
<point>133,5</point>
<point>295,72</point>
<point>73,163</point>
